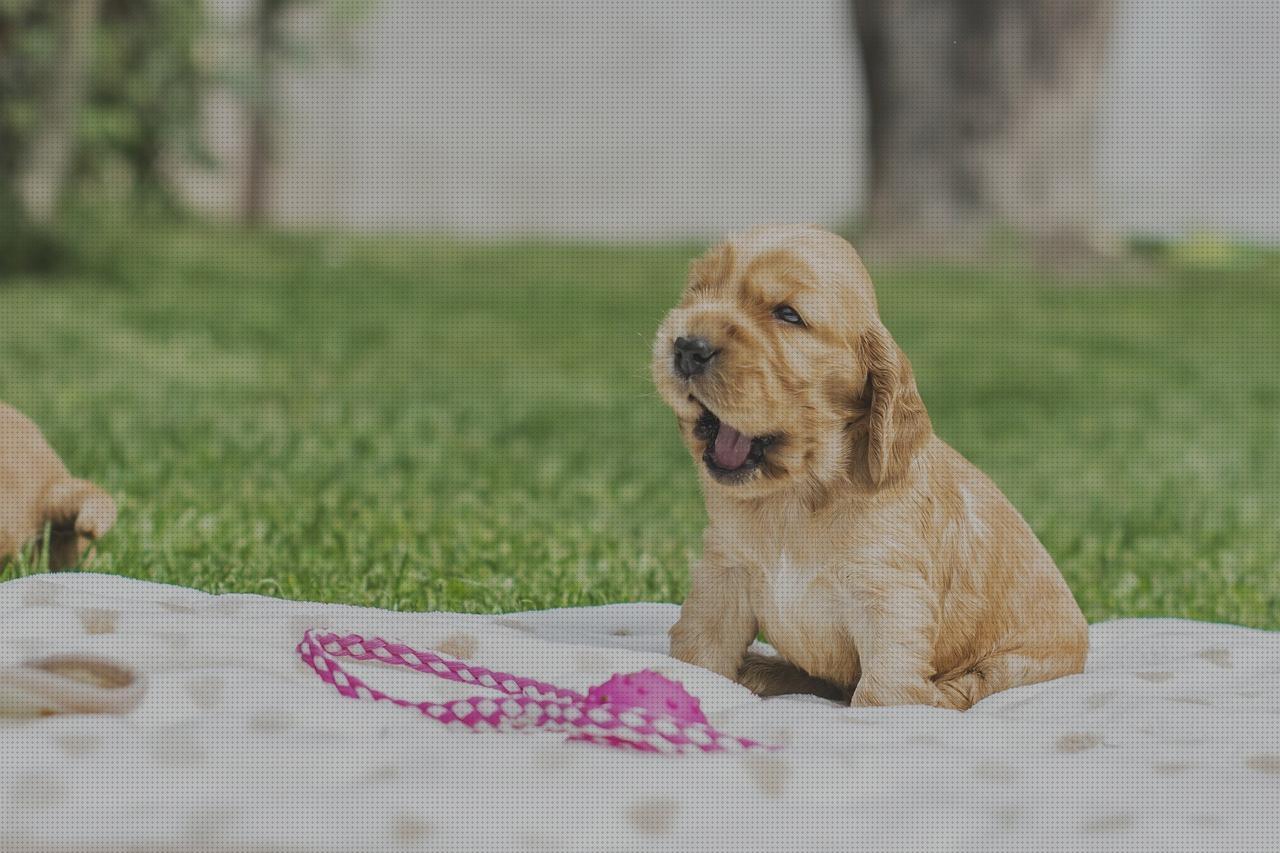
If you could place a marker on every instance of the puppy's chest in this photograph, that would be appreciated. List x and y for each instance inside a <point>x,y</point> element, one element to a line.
<point>787,589</point>
<point>804,608</point>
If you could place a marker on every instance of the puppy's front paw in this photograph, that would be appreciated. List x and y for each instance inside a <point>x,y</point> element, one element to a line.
<point>97,515</point>
<point>82,506</point>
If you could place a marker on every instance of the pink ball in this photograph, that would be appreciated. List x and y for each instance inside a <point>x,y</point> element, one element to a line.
<point>650,691</point>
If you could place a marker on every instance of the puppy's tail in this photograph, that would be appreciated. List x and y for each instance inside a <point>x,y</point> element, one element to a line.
<point>81,504</point>
<point>770,675</point>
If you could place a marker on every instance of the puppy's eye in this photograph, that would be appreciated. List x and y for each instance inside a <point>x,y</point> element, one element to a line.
<point>787,314</point>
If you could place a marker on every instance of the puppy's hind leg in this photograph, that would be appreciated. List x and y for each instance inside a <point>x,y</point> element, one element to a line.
<point>962,689</point>
<point>769,675</point>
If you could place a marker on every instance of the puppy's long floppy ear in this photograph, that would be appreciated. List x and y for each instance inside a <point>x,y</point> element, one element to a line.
<point>890,423</point>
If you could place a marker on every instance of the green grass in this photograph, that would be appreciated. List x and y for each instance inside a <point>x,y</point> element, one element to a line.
<point>425,423</point>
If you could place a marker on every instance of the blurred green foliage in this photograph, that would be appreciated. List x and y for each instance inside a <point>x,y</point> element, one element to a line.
<point>1207,257</point>
<point>152,63</point>
<point>26,48</point>
<point>145,95</point>
<point>141,105</point>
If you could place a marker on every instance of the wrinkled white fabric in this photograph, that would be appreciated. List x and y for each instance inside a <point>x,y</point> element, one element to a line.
<point>1169,741</point>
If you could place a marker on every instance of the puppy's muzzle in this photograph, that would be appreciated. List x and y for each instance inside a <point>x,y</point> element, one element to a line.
<point>693,356</point>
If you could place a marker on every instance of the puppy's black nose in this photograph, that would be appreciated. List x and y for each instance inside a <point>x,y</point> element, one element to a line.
<point>692,356</point>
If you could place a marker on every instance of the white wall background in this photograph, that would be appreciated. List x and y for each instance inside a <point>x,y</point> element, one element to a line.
<point>656,118</point>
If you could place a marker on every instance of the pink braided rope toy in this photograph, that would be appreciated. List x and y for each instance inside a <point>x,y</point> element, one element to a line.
<point>643,711</point>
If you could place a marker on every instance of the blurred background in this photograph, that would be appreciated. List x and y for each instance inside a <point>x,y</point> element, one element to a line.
<point>655,119</point>
<point>352,299</point>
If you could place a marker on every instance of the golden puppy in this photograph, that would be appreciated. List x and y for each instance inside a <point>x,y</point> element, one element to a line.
<point>881,564</point>
<point>35,489</point>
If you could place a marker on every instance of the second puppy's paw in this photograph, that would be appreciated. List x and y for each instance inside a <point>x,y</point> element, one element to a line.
<point>97,515</point>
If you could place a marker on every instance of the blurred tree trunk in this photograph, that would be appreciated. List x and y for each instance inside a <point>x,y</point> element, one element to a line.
<point>52,151</point>
<point>274,49</point>
<point>267,46</point>
<point>257,172</point>
<point>982,113</point>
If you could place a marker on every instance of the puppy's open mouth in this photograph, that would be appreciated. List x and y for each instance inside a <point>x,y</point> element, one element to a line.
<point>730,455</point>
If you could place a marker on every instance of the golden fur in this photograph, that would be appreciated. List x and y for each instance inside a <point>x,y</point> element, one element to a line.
<point>36,489</point>
<point>882,565</point>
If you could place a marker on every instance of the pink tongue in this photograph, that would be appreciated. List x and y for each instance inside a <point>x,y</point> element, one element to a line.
<point>731,448</point>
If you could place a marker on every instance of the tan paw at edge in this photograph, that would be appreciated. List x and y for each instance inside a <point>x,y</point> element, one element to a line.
<point>97,515</point>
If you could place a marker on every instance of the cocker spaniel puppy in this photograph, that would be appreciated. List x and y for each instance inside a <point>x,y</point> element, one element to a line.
<point>883,566</point>
<point>36,489</point>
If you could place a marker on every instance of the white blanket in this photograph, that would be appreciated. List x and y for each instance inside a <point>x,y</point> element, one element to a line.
<point>1169,741</point>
